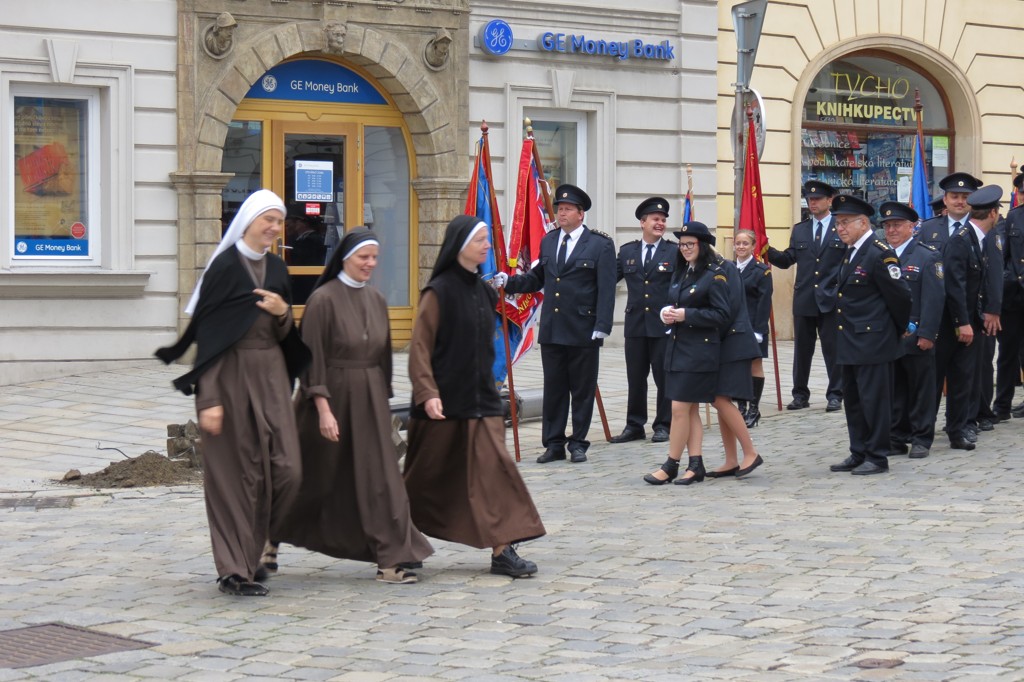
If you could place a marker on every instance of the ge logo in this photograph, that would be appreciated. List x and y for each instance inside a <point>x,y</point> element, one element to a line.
<point>269,83</point>
<point>22,247</point>
<point>496,37</point>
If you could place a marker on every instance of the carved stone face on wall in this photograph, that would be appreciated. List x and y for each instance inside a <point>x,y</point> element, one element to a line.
<point>435,54</point>
<point>334,37</point>
<point>218,38</point>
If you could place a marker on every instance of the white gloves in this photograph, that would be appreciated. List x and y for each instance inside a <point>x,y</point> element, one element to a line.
<point>598,335</point>
<point>500,279</point>
<point>759,337</point>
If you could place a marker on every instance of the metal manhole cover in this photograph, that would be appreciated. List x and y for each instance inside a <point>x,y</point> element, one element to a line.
<point>873,663</point>
<point>55,642</point>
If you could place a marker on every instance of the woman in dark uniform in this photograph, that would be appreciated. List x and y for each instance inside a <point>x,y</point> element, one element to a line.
<point>698,310</point>
<point>247,357</point>
<point>758,288</point>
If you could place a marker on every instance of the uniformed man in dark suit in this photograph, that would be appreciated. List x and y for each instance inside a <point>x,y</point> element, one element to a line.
<point>1011,337</point>
<point>913,419</point>
<point>955,188</point>
<point>965,271</point>
<point>647,265</point>
<point>576,272</point>
<point>873,304</point>
<point>982,418</point>
<point>816,250</point>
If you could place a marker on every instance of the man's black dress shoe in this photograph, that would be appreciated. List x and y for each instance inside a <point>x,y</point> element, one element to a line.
<point>240,587</point>
<point>971,434</point>
<point>798,404</point>
<point>834,405</point>
<point>848,464</point>
<point>868,468</point>
<point>577,455</point>
<point>551,454</point>
<point>628,435</point>
<point>918,452</point>
<point>660,436</point>
<point>1018,411</point>
<point>985,425</point>
<point>897,448</point>
<point>961,443</point>
<point>1002,417</point>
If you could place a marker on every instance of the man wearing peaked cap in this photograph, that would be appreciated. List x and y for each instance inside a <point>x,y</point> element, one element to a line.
<point>815,248</point>
<point>959,352</point>
<point>913,416</point>
<point>938,205</point>
<point>576,272</point>
<point>1011,337</point>
<point>955,188</point>
<point>647,265</point>
<point>872,310</point>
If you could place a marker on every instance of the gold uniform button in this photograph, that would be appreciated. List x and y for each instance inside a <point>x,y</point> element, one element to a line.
<point>647,295</point>
<point>840,326</point>
<point>869,328</point>
<point>647,281</point>
<point>839,310</point>
<point>647,310</point>
<point>556,310</point>
<point>840,295</point>
<point>558,279</point>
<point>815,286</point>
<point>816,273</point>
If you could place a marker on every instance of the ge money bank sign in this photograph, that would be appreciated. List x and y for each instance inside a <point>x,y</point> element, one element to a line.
<point>496,38</point>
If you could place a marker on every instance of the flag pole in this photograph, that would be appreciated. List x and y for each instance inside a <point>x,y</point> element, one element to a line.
<point>500,258</point>
<point>549,206</point>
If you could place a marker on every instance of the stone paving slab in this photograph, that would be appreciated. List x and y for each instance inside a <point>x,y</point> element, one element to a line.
<point>794,573</point>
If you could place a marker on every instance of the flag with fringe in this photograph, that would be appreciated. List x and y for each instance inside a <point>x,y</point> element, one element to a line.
<point>751,204</point>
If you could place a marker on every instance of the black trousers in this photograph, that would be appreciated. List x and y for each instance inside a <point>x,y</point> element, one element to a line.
<point>963,393</point>
<point>1008,362</point>
<point>913,412</point>
<point>646,355</point>
<point>985,379</point>
<point>868,397</point>
<point>806,330</point>
<point>569,372</point>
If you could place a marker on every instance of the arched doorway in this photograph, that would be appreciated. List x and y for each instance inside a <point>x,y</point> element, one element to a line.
<point>330,141</point>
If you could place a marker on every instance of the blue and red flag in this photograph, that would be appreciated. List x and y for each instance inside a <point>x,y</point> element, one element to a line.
<point>920,198</point>
<point>688,208</point>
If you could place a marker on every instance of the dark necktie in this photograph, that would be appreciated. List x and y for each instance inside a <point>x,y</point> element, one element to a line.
<point>817,234</point>
<point>648,256</point>
<point>562,251</point>
<point>956,226</point>
<point>846,262</point>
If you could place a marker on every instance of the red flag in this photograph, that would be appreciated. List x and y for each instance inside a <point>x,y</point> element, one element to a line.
<point>751,206</point>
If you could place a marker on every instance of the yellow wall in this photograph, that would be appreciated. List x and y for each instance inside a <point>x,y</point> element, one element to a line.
<point>975,50</point>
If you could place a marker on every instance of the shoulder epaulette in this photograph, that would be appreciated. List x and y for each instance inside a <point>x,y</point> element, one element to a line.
<point>600,234</point>
<point>962,232</point>
<point>927,246</point>
<point>882,245</point>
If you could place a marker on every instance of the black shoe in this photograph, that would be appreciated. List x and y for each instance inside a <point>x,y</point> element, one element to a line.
<point>753,416</point>
<point>553,453</point>
<point>1018,411</point>
<point>723,474</point>
<point>742,406</point>
<point>240,587</point>
<point>971,434</point>
<point>628,435</point>
<point>868,468</point>
<point>918,452</point>
<point>961,443</point>
<point>1002,417</point>
<point>746,470</point>
<point>986,425</point>
<point>578,455</point>
<point>834,405</point>
<point>848,464</point>
<point>660,436</point>
<point>798,404</point>
<point>671,469</point>
<point>897,447</point>
<point>511,564</point>
<point>696,466</point>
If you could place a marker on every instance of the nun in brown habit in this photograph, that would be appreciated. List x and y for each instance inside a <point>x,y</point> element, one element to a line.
<point>352,504</point>
<point>463,485</point>
<point>248,354</point>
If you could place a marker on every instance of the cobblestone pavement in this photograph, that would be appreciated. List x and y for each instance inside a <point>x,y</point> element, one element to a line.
<point>793,573</point>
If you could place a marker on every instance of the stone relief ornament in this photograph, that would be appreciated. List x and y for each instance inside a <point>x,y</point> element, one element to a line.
<point>435,52</point>
<point>334,37</point>
<point>219,36</point>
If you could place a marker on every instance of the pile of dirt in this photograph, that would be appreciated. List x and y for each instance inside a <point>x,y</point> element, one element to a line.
<point>148,469</point>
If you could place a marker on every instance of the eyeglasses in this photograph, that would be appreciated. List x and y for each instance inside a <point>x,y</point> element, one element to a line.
<point>848,221</point>
<point>688,245</point>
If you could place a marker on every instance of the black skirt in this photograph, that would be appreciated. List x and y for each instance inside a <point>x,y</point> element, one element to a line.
<point>734,380</point>
<point>692,387</point>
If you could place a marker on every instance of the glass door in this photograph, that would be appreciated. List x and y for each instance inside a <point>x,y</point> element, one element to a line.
<point>315,169</point>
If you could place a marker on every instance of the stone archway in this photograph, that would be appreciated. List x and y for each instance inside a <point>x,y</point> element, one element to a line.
<point>210,91</point>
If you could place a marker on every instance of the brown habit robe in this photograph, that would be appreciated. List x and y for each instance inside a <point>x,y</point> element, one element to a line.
<point>463,485</point>
<point>251,470</point>
<point>352,504</point>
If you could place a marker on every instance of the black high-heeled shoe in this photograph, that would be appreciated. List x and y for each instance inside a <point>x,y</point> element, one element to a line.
<point>752,417</point>
<point>696,465</point>
<point>670,467</point>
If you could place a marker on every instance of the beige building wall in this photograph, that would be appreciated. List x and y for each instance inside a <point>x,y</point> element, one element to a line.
<point>975,50</point>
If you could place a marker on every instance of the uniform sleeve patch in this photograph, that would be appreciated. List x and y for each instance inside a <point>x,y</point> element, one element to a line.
<point>895,272</point>
<point>891,259</point>
<point>938,269</point>
<point>721,277</point>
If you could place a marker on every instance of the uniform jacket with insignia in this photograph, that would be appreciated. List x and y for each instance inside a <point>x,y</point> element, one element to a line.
<point>694,344</point>
<point>922,270</point>
<point>964,268</point>
<point>992,254</point>
<point>579,299</point>
<point>935,231</point>
<point>1013,259</point>
<point>738,342</point>
<point>646,288</point>
<point>814,291</point>
<point>872,306</point>
<point>757,288</point>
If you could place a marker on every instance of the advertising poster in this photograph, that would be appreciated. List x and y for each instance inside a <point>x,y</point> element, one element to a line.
<point>50,201</point>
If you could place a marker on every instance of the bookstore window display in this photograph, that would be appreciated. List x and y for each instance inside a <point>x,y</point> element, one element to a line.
<point>860,126</point>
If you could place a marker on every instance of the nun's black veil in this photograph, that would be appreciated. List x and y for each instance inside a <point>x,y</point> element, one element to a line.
<point>454,237</point>
<point>336,264</point>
